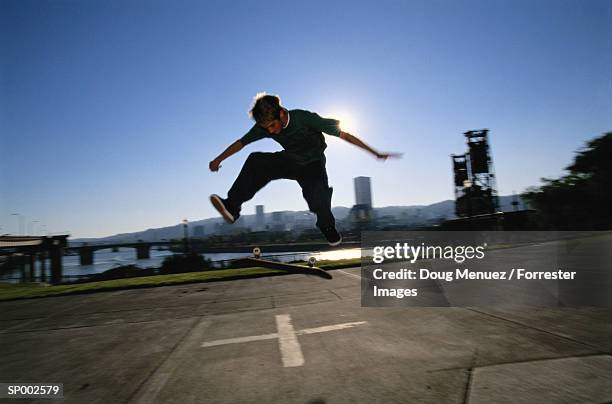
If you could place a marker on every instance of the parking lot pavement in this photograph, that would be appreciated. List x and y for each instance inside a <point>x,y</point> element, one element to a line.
<point>300,339</point>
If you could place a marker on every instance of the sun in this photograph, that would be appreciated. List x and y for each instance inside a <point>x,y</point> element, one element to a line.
<point>347,121</point>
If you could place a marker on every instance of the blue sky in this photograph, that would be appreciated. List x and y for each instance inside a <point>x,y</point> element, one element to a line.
<point>111,110</point>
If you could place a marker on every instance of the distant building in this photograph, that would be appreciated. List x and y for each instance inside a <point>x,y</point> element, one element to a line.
<point>277,217</point>
<point>198,231</point>
<point>363,191</point>
<point>278,222</point>
<point>259,218</point>
<point>259,214</point>
<point>361,214</point>
<point>361,217</point>
<point>303,221</point>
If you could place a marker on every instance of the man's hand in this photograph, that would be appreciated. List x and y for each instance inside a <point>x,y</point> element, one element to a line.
<point>385,156</point>
<point>214,165</point>
<point>231,149</point>
<point>357,142</point>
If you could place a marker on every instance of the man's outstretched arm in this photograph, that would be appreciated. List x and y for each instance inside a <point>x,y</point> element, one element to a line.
<point>231,149</point>
<point>357,142</point>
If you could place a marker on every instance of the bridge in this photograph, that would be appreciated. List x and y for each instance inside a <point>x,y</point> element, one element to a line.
<point>143,249</point>
<point>25,250</point>
<point>86,251</point>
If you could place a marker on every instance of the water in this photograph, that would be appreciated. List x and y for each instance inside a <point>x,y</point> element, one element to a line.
<point>107,259</point>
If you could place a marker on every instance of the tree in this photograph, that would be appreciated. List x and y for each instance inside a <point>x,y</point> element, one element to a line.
<point>179,263</point>
<point>581,200</point>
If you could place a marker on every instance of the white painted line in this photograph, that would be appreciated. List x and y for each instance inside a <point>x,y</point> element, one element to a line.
<point>239,340</point>
<point>349,274</point>
<point>330,328</point>
<point>291,353</point>
<point>263,337</point>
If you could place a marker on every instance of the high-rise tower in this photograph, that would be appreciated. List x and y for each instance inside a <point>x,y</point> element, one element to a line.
<point>363,191</point>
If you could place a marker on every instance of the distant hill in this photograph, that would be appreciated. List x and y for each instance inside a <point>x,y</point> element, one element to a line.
<point>416,214</point>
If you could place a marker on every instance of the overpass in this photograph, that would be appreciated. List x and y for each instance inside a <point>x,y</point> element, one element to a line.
<point>25,250</point>
<point>143,249</point>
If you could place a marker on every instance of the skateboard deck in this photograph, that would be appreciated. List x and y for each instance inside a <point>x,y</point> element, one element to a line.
<point>308,270</point>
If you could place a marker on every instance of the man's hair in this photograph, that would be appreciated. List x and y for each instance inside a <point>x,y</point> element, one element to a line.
<point>266,108</point>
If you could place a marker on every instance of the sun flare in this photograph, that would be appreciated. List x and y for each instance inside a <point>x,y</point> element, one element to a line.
<point>347,121</point>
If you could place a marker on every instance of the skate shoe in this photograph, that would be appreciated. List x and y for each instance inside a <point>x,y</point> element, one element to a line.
<point>228,214</point>
<point>331,234</point>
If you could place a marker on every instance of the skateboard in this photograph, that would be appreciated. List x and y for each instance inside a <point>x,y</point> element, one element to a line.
<point>256,260</point>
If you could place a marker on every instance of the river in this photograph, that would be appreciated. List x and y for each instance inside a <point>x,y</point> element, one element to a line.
<point>107,259</point>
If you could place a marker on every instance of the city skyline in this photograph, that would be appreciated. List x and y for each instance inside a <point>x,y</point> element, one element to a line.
<point>109,127</point>
<point>361,185</point>
<point>291,220</point>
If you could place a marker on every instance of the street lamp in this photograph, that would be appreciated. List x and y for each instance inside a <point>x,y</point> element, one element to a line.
<point>32,227</point>
<point>186,235</point>
<point>20,222</point>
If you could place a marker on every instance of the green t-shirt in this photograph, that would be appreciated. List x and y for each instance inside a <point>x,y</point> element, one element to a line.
<point>302,139</point>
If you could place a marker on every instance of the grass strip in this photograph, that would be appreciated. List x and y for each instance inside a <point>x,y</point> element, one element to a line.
<point>9,291</point>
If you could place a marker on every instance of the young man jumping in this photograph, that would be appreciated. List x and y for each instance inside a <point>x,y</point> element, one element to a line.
<point>300,133</point>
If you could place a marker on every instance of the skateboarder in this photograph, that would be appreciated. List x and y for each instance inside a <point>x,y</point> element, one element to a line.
<point>300,133</point>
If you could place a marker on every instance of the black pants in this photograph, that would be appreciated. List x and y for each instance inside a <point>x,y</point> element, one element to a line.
<point>261,168</point>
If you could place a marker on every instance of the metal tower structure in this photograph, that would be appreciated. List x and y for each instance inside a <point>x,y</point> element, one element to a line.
<point>474,178</point>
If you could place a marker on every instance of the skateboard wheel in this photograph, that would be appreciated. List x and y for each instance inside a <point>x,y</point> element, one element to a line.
<point>257,252</point>
<point>312,261</point>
